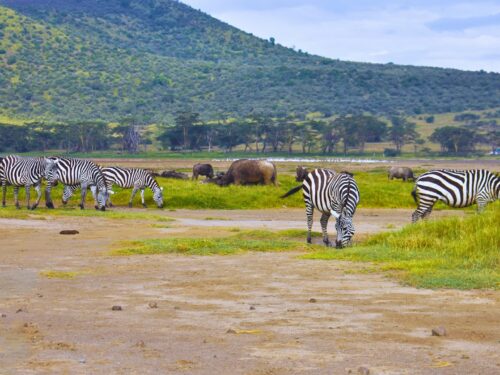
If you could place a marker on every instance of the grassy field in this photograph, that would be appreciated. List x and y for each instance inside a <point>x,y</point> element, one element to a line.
<point>375,189</point>
<point>462,253</point>
<point>243,241</point>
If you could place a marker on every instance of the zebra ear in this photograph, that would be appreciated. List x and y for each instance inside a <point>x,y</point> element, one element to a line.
<point>335,214</point>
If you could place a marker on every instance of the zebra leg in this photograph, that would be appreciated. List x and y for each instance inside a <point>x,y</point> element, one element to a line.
<point>142,198</point>
<point>309,214</point>
<point>38,189</point>
<point>28,196</point>
<point>84,195</point>
<point>324,224</point>
<point>134,192</point>
<point>423,210</point>
<point>48,197</point>
<point>481,204</point>
<point>4,191</point>
<point>16,197</point>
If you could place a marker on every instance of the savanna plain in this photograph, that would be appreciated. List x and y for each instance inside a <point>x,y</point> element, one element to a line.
<point>222,281</point>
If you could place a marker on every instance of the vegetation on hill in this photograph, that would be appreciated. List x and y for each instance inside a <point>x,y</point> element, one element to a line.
<point>107,59</point>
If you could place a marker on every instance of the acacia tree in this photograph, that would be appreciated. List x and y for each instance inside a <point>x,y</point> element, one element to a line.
<point>454,139</point>
<point>402,132</point>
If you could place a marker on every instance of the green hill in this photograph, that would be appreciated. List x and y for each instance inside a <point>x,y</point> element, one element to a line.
<point>106,59</point>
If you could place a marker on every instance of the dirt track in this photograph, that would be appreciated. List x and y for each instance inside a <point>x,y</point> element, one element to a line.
<point>246,314</point>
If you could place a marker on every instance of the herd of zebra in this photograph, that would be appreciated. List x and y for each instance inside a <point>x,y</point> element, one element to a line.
<point>73,174</point>
<point>333,194</point>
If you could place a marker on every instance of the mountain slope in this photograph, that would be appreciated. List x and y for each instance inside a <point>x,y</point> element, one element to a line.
<point>105,59</point>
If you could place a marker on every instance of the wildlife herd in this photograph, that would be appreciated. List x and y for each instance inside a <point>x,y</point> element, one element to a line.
<point>332,193</point>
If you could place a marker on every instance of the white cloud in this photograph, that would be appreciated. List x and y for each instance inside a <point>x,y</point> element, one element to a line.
<point>448,33</point>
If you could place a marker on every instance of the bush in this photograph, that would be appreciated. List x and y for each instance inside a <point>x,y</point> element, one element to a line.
<point>390,152</point>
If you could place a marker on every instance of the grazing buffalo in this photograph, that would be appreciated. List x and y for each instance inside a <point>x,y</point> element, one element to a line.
<point>174,174</point>
<point>202,170</point>
<point>301,173</point>
<point>247,172</point>
<point>401,172</point>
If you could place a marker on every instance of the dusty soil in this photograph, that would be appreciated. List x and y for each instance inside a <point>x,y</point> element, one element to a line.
<point>257,313</point>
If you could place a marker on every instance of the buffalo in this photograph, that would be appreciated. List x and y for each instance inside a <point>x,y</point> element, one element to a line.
<point>300,173</point>
<point>401,172</point>
<point>174,174</point>
<point>248,172</point>
<point>202,170</point>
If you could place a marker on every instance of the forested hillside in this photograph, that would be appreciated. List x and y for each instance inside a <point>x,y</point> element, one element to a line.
<point>108,59</point>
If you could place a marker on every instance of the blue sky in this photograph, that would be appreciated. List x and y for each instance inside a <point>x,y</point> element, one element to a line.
<point>455,34</point>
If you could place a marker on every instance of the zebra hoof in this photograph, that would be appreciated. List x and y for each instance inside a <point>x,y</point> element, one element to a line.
<point>81,206</point>
<point>144,206</point>
<point>130,205</point>
<point>103,208</point>
<point>51,205</point>
<point>96,207</point>
<point>33,207</point>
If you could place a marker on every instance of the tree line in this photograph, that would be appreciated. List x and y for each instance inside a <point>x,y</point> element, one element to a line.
<point>257,134</point>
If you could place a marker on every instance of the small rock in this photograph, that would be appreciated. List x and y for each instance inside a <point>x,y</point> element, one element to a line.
<point>292,310</point>
<point>116,308</point>
<point>69,231</point>
<point>252,307</point>
<point>153,305</point>
<point>82,360</point>
<point>230,330</point>
<point>439,331</point>
<point>19,310</point>
<point>176,307</point>
<point>4,315</point>
<point>140,344</point>
<point>363,370</point>
<point>313,300</point>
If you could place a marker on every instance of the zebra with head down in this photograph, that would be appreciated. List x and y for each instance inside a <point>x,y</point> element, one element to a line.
<point>79,173</point>
<point>25,171</point>
<point>333,194</point>
<point>138,179</point>
<point>455,188</point>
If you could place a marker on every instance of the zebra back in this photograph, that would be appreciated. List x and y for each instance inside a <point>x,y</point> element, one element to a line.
<point>331,192</point>
<point>20,170</point>
<point>72,171</point>
<point>129,177</point>
<point>458,188</point>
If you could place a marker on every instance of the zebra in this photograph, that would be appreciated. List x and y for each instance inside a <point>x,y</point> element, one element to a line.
<point>332,194</point>
<point>138,179</point>
<point>25,171</point>
<point>79,172</point>
<point>455,188</point>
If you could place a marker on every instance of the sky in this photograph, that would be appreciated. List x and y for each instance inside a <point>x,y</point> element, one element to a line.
<point>444,33</point>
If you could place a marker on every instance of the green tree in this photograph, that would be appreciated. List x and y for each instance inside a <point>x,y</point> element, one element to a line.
<point>402,132</point>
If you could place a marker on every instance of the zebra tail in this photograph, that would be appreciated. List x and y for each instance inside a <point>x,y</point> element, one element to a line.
<point>414,193</point>
<point>293,191</point>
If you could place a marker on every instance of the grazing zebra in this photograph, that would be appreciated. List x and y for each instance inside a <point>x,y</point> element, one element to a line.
<point>24,171</point>
<point>455,188</point>
<point>79,172</point>
<point>332,194</point>
<point>138,179</point>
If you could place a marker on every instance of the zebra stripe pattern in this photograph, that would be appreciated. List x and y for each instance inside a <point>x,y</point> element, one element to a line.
<point>332,194</point>
<point>138,179</point>
<point>83,173</point>
<point>455,188</point>
<point>24,171</point>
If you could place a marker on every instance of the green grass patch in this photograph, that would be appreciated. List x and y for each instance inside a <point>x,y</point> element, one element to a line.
<point>243,241</point>
<point>60,274</point>
<point>375,189</point>
<point>461,253</point>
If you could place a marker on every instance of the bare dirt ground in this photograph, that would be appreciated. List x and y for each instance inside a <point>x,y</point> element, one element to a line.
<point>257,313</point>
